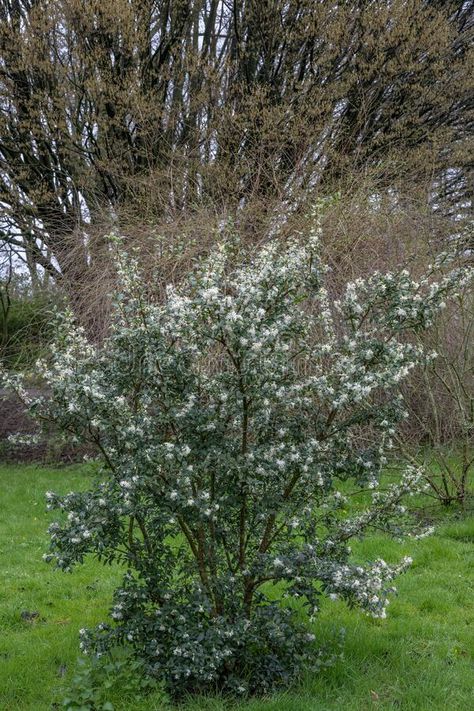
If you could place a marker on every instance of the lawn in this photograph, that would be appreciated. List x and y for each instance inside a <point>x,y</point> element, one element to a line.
<point>420,658</point>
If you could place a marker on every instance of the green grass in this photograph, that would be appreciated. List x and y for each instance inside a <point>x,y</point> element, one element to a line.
<point>420,658</point>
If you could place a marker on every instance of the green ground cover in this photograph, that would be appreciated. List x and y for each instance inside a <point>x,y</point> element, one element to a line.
<point>420,658</point>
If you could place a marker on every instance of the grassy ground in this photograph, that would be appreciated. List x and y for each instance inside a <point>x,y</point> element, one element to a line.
<point>420,658</point>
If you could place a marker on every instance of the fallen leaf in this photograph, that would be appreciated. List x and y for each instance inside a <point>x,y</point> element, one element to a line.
<point>29,616</point>
<point>62,670</point>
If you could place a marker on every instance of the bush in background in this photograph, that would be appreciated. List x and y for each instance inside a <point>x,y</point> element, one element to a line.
<point>441,401</point>
<point>25,328</point>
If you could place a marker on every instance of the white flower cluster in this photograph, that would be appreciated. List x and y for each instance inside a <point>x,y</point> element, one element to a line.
<point>367,586</point>
<point>20,438</point>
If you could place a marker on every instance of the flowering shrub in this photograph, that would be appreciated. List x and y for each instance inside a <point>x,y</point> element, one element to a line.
<point>233,421</point>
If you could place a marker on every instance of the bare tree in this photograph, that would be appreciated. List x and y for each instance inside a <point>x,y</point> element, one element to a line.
<point>152,109</point>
